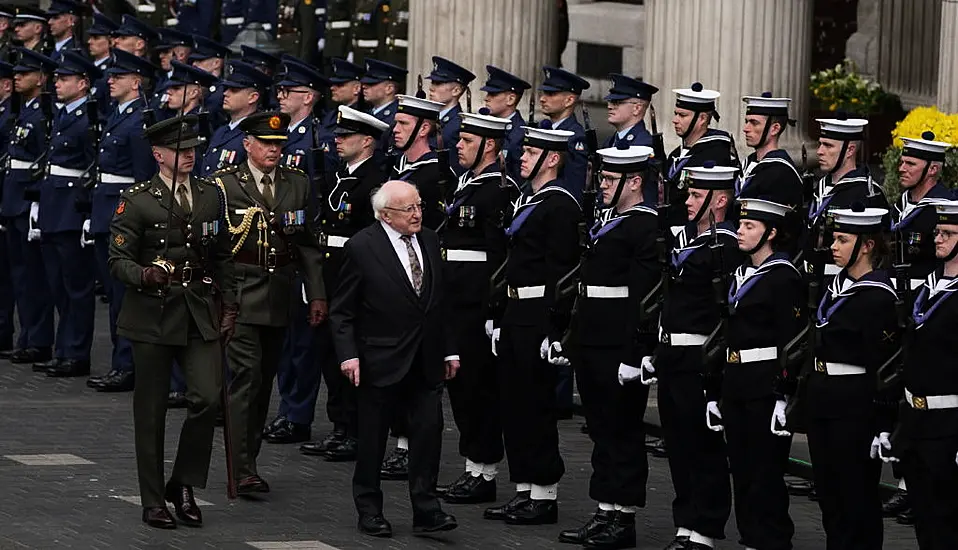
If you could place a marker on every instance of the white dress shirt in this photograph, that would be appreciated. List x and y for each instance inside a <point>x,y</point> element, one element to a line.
<point>399,246</point>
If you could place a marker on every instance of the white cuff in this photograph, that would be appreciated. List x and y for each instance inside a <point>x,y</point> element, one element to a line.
<point>451,358</point>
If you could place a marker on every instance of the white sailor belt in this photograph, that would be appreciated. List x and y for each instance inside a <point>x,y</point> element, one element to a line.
<point>113,178</point>
<point>64,172</point>
<point>17,164</point>
<point>526,292</point>
<point>681,339</point>
<point>752,355</point>
<point>931,402</point>
<point>837,369</point>
<point>333,241</point>
<point>455,255</point>
<point>589,291</point>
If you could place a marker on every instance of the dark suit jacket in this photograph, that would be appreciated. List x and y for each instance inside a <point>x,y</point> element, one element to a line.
<point>377,317</point>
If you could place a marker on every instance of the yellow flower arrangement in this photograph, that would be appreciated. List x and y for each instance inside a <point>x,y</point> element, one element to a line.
<point>842,88</point>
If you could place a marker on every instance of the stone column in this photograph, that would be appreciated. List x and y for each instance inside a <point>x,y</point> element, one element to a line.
<point>909,50</point>
<point>518,36</point>
<point>948,58</point>
<point>738,47</point>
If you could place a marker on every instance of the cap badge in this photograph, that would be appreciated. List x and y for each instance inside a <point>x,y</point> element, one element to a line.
<point>274,122</point>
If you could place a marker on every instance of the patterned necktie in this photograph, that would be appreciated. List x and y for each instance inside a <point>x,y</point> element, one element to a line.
<point>414,265</point>
<point>267,190</point>
<point>183,198</point>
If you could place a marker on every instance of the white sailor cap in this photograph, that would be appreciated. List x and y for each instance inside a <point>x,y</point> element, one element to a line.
<point>422,108</point>
<point>351,121</point>
<point>762,210</point>
<point>947,211</point>
<point>925,148</point>
<point>626,160</point>
<point>696,98</point>
<point>550,140</point>
<point>851,129</point>
<point>858,220</point>
<point>766,105</point>
<point>711,177</point>
<point>484,125</point>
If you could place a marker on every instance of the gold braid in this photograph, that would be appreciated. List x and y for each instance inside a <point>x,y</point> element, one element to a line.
<point>244,227</point>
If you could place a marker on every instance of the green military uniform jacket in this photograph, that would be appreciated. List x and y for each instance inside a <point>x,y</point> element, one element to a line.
<point>198,247</point>
<point>271,246</point>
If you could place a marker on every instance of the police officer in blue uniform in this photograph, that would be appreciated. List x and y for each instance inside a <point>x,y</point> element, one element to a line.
<point>196,17</point>
<point>345,88</point>
<point>267,64</point>
<point>6,287</point>
<point>448,83</point>
<point>559,95</point>
<point>173,45</point>
<point>69,273</point>
<point>299,91</point>
<point>245,89</point>
<point>98,46</point>
<point>211,56</point>
<point>185,89</point>
<point>63,16</point>
<point>503,96</point>
<point>124,158</point>
<point>381,84</point>
<point>628,100</point>
<point>28,145</point>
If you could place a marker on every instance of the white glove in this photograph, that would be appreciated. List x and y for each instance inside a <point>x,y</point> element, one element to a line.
<point>647,367</point>
<point>34,213</point>
<point>711,408</point>
<point>778,415</point>
<point>554,355</point>
<point>628,373</point>
<point>495,341</point>
<point>544,348</point>
<point>85,238</point>
<point>882,442</point>
<point>956,459</point>
<point>489,328</point>
<point>305,301</point>
<point>33,233</point>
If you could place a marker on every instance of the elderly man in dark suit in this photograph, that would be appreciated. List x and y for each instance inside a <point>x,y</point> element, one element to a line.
<point>390,332</point>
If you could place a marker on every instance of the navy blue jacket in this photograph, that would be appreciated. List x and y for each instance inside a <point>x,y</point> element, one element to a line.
<point>28,142</point>
<point>70,148</point>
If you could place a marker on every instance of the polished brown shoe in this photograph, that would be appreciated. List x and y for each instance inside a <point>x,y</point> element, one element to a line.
<point>159,517</point>
<point>251,485</point>
<point>181,497</point>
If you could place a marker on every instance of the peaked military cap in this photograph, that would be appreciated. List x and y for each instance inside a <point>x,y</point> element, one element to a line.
<point>131,26</point>
<point>561,80</point>
<point>379,71</point>
<point>6,70</point>
<point>26,14</point>
<point>259,58</point>
<point>171,38</point>
<point>297,73</point>
<point>127,63</point>
<point>444,70</point>
<point>179,132</point>
<point>102,26</point>
<point>205,48</point>
<point>77,64</point>
<point>60,7</point>
<point>184,74</point>
<point>7,11</point>
<point>244,75</point>
<point>267,126</point>
<point>625,87</point>
<point>31,61</point>
<point>342,71</point>
<point>500,81</point>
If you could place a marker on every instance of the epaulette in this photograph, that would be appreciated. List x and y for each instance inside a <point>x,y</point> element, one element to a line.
<point>136,188</point>
<point>227,170</point>
<point>292,169</point>
<point>207,181</point>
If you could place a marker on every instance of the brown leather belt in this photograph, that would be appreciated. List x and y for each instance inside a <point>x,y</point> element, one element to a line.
<point>270,260</point>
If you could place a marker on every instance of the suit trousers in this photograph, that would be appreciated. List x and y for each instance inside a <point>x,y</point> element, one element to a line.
<point>932,477</point>
<point>527,402</point>
<point>252,354</point>
<point>32,296</point>
<point>70,278</point>
<point>474,396</point>
<point>202,364</point>
<point>697,459</point>
<point>122,357</point>
<point>758,459</point>
<point>616,418</point>
<point>421,402</point>
<point>846,480</point>
<point>299,374</point>
<point>340,393</point>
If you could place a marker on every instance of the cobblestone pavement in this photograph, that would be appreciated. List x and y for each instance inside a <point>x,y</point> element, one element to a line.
<point>68,480</point>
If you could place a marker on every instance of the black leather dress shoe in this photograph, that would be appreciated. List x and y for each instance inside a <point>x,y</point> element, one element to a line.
<point>44,366</point>
<point>31,355</point>
<point>251,485</point>
<point>117,381</point>
<point>319,448</point>
<point>678,543</point>
<point>500,512</point>
<point>159,517</point>
<point>69,368</point>
<point>95,381</point>
<point>7,353</point>
<point>176,400</point>
<point>181,497</point>
<point>896,504</point>
<point>344,451</point>
<point>396,465</point>
<point>273,425</point>
<point>906,517</point>
<point>375,526</point>
<point>535,512</point>
<point>433,523</point>
<point>443,489</point>
<point>472,491</point>
<point>619,533</point>
<point>596,523</point>
<point>289,432</point>
<point>697,546</point>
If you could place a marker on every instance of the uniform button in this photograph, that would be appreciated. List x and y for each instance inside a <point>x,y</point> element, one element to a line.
<point>162,241</point>
<point>70,184</point>
<point>108,134</point>
<point>187,245</point>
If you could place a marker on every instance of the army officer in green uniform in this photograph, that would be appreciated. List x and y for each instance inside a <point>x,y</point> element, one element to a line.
<point>167,247</point>
<point>269,216</point>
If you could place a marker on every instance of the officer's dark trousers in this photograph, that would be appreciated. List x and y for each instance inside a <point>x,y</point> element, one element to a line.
<point>341,394</point>
<point>298,377</point>
<point>846,480</point>
<point>122,359</point>
<point>252,354</point>
<point>70,278</point>
<point>615,414</point>
<point>203,369</point>
<point>474,395</point>
<point>528,408</point>
<point>422,404</point>
<point>758,459</point>
<point>932,477</point>
<point>32,296</point>
<point>697,459</point>
<point>6,298</point>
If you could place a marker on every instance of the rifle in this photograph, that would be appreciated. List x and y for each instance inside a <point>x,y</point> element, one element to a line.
<point>318,158</point>
<point>532,110</point>
<point>714,348</point>
<point>497,282</point>
<point>468,99</point>
<point>651,304</point>
<point>592,176</point>
<point>46,107</point>
<point>890,373</point>
<point>93,116</point>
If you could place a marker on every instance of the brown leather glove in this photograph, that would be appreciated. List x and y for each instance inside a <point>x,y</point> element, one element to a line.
<point>154,276</point>
<point>228,320</point>
<point>318,312</point>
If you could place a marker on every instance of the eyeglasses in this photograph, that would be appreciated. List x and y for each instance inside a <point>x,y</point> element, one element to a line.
<point>945,234</point>
<point>284,92</point>
<point>409,209</point>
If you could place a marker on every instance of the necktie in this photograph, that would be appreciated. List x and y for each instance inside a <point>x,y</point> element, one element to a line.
<point>414,266</point>
<point>183,198</point>
<point>267,190</point>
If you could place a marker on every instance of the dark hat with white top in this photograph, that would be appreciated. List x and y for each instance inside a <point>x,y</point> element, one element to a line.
<point>925,148</point>
<point>858,220</point>
<point>550,140</point>
<point>767,105</point>
<point>627,160</point>
<point>422,108</point>
<point>711,177</point>
<point>350,121</point>
<point>947,211</point>
<point>485,125</point>
<point>843,129</point>
<point>762,210</point>
<point>696,98</point>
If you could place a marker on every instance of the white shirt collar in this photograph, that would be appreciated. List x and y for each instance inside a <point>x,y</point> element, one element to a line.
<point>392,233</point>
<point>444,112</point>
<point>294,125</point>
<point>122,106</point>
<point>59,45</point>
<point>350,168</point>
<point>70,107</point>
<point>558,122</point>
<point>234,124</point>
<point>377,110</point>
<point>101,61</point>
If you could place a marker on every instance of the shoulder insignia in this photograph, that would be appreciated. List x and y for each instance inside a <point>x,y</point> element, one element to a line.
<point>292,169</point>
<point>136,188</point>
<point>227,170</point>
<point>119,240</point>
<point>120,207</point>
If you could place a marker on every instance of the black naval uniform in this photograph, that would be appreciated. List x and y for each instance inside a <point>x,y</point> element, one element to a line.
<point>474,246</point>
<point>774,178</point>
<point>856,326</point>
<point>715,146</point>
<point>766,303</point>
<point>424,174</point>
<point>915,228</point>
<point>697,457</point>
<point>930,446</point>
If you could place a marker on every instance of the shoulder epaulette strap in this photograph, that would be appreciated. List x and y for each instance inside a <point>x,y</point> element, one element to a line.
<point>292,170</point>
<point>136,188</point>
<point>226,170</point>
